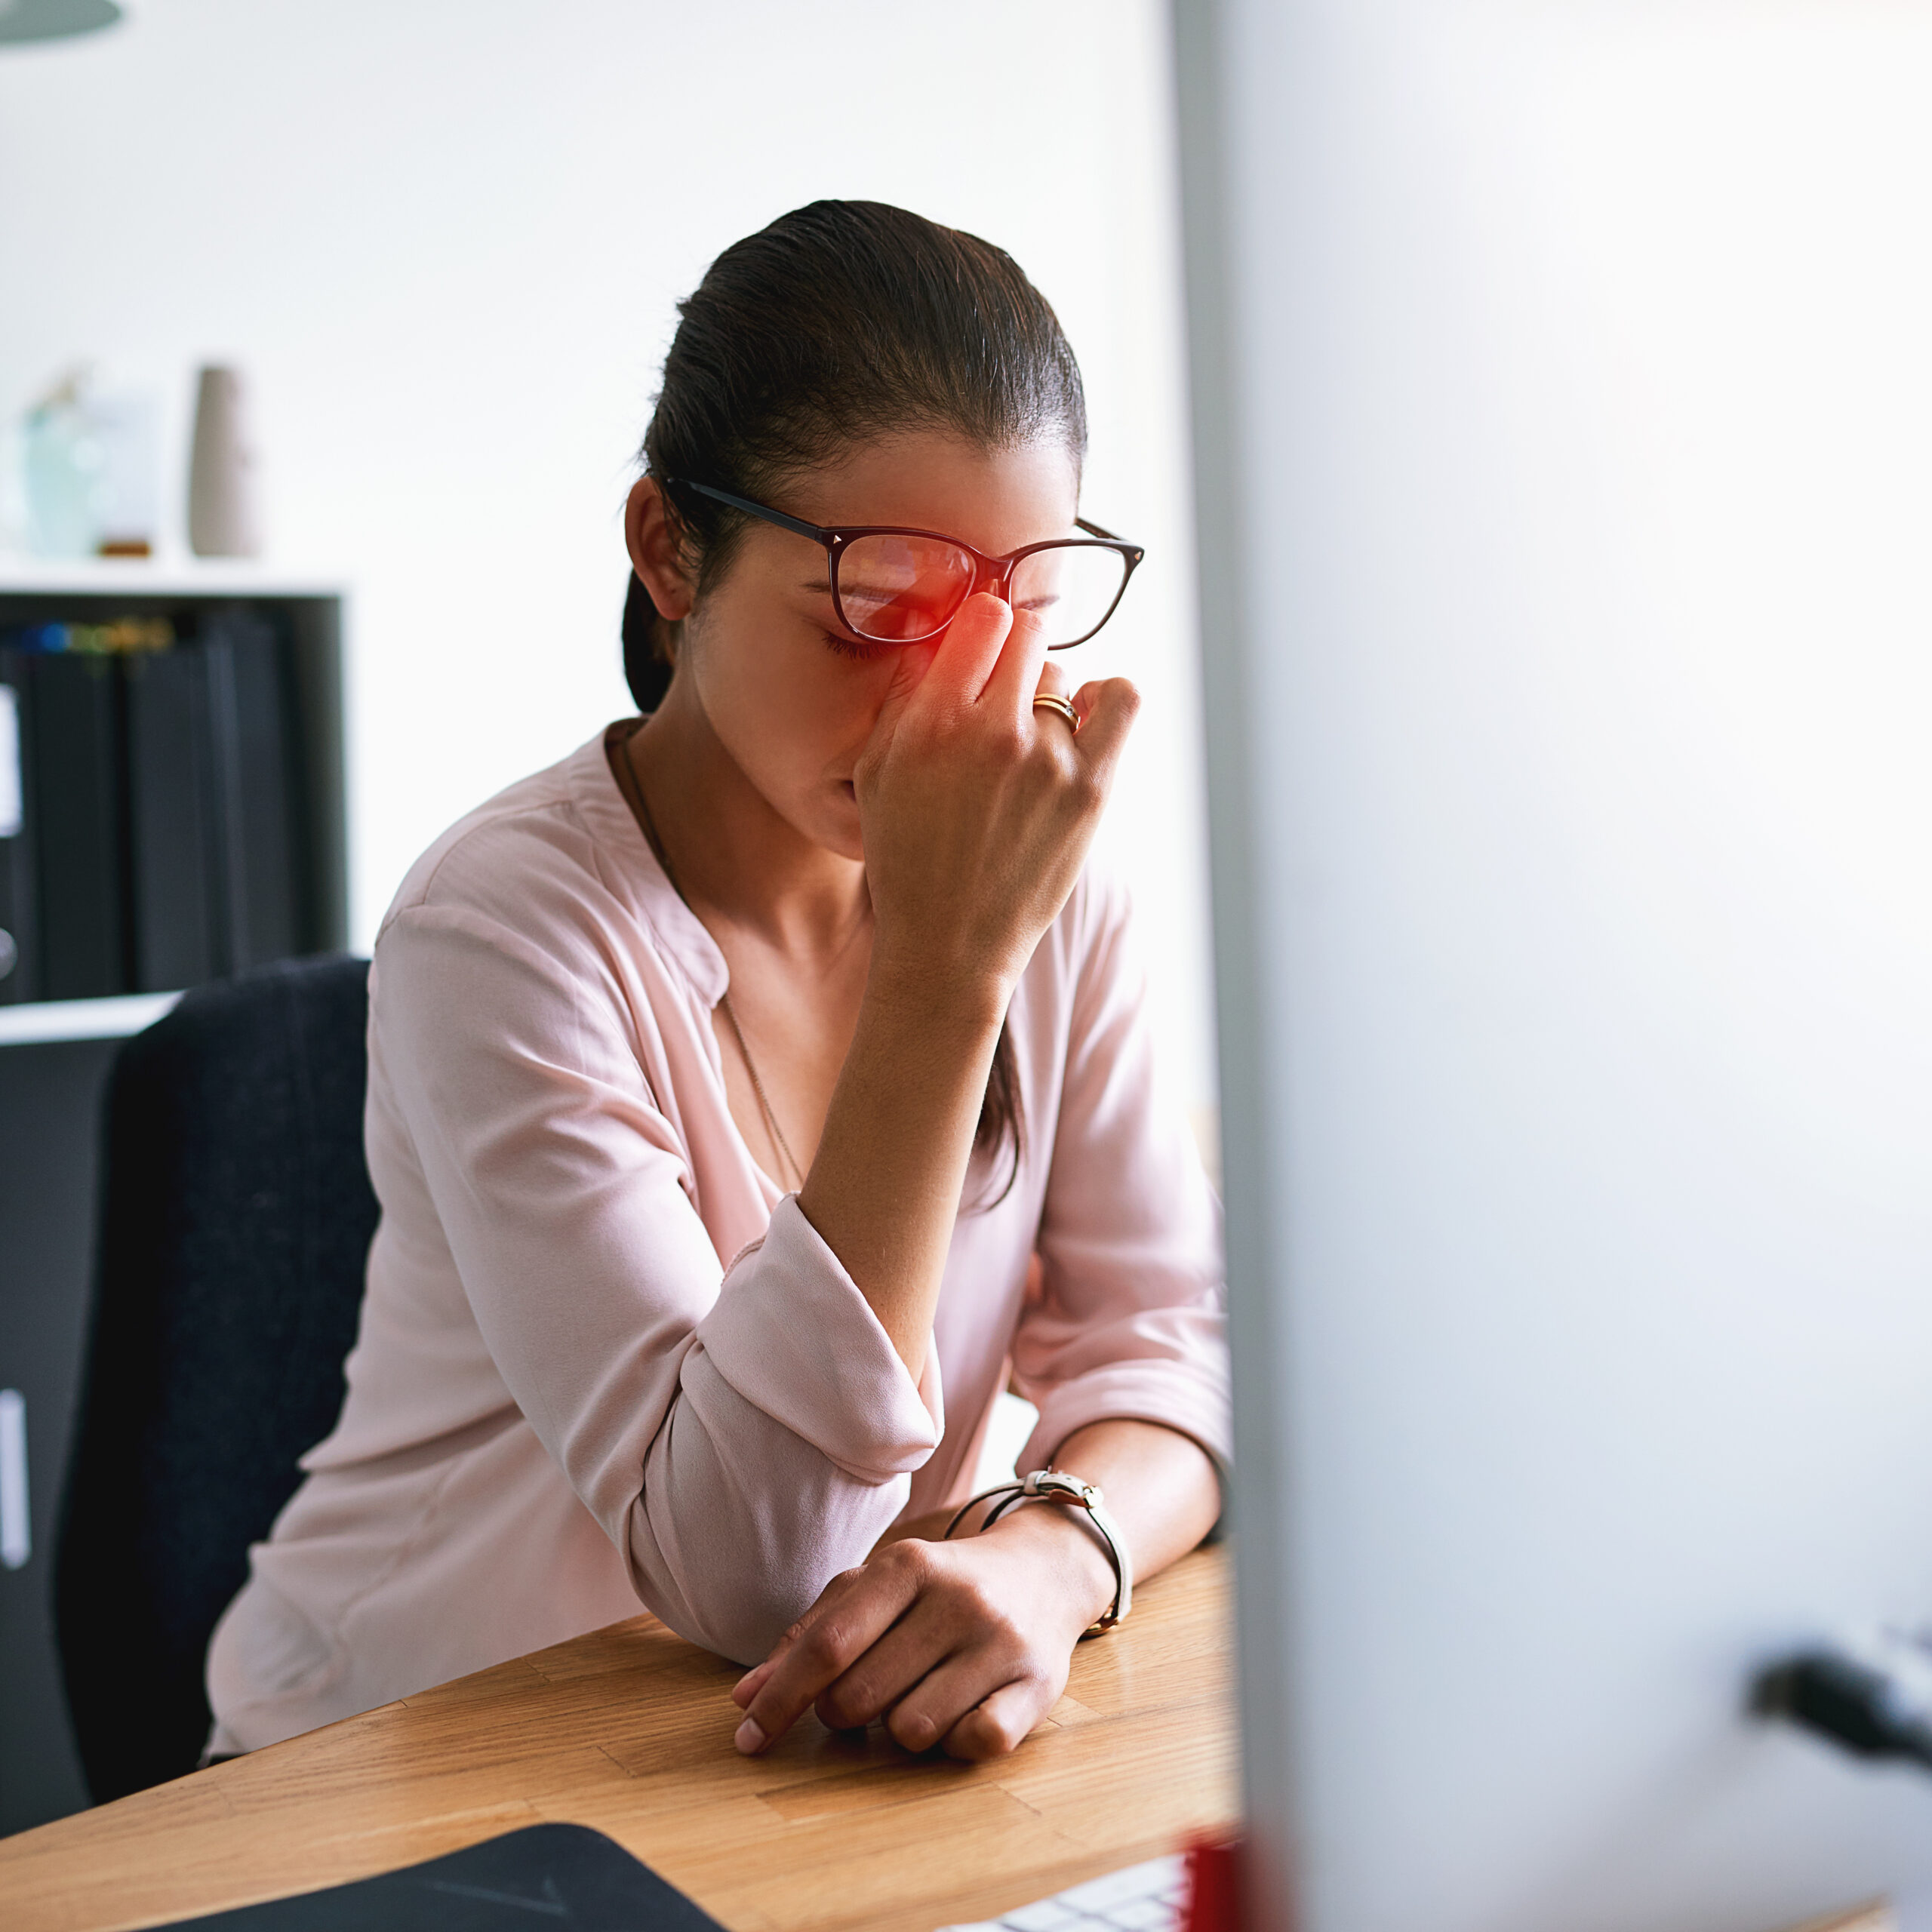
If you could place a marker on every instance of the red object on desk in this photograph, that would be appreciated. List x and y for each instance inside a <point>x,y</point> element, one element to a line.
<point>1213,1900</point>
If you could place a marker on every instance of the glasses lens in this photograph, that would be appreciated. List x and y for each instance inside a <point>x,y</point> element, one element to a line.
<point>1070,589</point>
<point>898,589</point>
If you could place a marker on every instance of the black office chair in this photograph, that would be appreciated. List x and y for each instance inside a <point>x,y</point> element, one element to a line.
<point>236,1216</point>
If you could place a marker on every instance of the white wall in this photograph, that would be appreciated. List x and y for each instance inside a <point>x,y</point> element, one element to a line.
<point>444,238</point>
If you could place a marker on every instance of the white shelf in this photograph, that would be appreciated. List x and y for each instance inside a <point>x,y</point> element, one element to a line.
<point>38,1021</point>
<point>149,576</point>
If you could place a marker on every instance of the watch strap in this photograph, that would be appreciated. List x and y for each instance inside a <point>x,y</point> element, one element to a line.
<point>1057,1486</point>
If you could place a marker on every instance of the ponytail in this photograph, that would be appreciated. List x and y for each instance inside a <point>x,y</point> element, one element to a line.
<point>646,666</point>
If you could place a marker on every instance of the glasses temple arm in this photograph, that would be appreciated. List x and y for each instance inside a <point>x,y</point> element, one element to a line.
<point>1094,530</point>
<point>795,524</point>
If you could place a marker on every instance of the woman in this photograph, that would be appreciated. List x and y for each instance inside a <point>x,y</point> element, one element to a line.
<point>725,1078</point>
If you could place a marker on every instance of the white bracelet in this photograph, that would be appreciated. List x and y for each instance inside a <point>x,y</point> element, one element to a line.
<point>1056,1486</point>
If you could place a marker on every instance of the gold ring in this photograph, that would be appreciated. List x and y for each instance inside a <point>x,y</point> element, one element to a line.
<point>1052,701</point>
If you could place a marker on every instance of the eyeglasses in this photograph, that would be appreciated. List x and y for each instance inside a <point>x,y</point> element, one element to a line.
<point>902,586</point>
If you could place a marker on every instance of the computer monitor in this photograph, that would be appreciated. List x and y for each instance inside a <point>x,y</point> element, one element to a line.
<point>1564,402</point>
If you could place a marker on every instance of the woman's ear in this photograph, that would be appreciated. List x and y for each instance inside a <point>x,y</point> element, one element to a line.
<point>651,535</point>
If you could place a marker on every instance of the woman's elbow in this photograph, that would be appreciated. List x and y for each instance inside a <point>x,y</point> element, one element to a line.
<point>740,1617</point>
<point>738,1588</point>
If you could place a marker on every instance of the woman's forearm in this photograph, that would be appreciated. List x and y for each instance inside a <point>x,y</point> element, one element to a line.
<point>883,1190</point>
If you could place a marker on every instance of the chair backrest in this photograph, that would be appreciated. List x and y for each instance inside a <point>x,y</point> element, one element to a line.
<point>236,1224</point>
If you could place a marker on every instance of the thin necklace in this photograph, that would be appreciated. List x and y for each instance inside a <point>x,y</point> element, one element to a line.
<point>632,787</point>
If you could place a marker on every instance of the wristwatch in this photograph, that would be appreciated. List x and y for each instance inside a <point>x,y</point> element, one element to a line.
<point>1051,1485</point>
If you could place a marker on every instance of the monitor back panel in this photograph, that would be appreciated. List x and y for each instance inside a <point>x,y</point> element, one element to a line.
<point>1565,444</point>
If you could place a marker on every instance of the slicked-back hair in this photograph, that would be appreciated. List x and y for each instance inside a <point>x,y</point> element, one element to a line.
<point>842,323</point>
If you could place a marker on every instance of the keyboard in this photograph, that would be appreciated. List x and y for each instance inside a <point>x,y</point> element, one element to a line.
<point>1143,1898</point>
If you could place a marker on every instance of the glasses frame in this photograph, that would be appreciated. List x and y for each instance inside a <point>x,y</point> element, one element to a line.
<point>994,574</point>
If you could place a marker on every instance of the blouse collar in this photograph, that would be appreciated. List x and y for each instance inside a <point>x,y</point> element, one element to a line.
<point>634,872</point>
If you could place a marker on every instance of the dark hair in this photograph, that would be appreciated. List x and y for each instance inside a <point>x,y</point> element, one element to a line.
<point>647,663</point>
<point>843,322</point>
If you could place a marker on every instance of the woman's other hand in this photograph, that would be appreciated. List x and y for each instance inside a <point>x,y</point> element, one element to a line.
<point>963,1645</point>
<point>966,1644</point>
<point>978,809</point>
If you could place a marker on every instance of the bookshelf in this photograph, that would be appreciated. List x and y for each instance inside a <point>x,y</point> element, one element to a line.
<point>306,615</point>
<point>142,576</point>
<point>37,1022</point>
<point>56,1057</point>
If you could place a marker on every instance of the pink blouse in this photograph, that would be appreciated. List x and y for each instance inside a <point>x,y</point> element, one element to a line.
<point>603,1361</point>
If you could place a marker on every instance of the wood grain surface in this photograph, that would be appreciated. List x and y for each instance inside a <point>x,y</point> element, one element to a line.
<point>630,1730</point>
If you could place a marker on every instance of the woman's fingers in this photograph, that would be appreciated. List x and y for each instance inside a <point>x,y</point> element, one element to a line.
<point>1053,681</point>
<point>971,651</point>
<point>1000,1723</point>
<point>976,809</point>
<point>909,666</point>
<point>1016,677</point>
<point>830,1642</point>
<point>932,1710</point>
<point>919,1643</point>
<point>1107,711</point>
<point>753,1681</point>
<point>964,1646</point>
<point>942,680</point>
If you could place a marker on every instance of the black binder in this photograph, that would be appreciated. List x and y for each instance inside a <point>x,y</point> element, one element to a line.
<point>20,916</point>
<point>76,800</point>
<point>259,890</point>
<point>546,1875</point>
<point>174,848</point>
<point>163,842</point>
<point>215,871</point>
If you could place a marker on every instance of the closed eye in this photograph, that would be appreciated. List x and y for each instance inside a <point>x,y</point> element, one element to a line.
<point>863,650</point>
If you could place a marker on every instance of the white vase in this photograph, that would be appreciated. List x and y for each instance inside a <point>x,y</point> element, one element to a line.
<point>223,515</point>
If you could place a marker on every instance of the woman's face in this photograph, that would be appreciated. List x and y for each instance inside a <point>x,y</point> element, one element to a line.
<point>790,694</point>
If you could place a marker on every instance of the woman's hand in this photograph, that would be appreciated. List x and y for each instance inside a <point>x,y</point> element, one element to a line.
<point>976,809</point>
<point>964,1645</point>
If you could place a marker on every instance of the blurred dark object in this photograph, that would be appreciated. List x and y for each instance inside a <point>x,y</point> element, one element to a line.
<point>19,898</point>
<point>52,1093</point>
<point>77,816</point>
<point>567,1874</point>
<point>236,1221</point>
<point>55,19</point>
<point>1871,1696</point>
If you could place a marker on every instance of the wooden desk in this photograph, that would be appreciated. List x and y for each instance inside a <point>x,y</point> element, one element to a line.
<point>630,1730</point>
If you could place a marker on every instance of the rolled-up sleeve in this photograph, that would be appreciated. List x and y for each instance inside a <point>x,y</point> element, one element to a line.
<point>741,1434</point>
<point>1130,1320</point>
